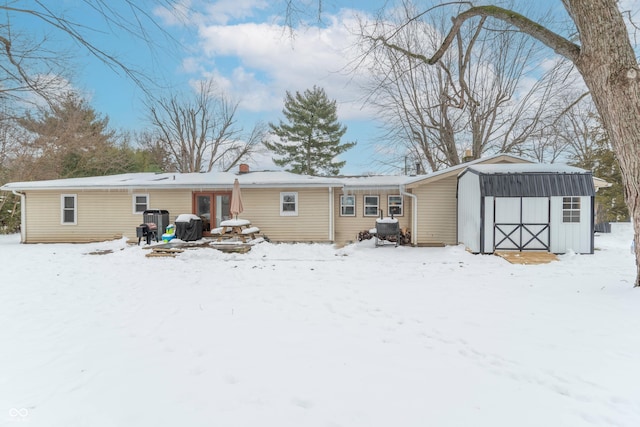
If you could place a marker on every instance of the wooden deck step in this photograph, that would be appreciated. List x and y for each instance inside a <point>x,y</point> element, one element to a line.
<point>164,252</point>
<point>241,248</point>
<point>527,258</point>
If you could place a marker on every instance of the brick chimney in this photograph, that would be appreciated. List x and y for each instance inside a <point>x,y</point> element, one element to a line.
<point>468,156</point>
<point>243,168</point>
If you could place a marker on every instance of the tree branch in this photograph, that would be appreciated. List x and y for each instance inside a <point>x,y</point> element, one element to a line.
<point>25,77</point>
<point>559,44</point>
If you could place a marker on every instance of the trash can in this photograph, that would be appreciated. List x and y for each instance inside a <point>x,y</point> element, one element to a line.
<point>158,217</point>
<point>602,227</point>
<point>188,227</point>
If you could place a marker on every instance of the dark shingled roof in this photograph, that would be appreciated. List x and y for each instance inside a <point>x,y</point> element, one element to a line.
<point>547,184</point>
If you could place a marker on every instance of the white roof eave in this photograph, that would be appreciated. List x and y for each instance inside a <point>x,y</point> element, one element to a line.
<point>150,186</point>
<point>372,187</point>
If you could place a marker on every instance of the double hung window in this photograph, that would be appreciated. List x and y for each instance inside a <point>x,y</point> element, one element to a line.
<point>348,205</point>
<point>289,204</point>
<point>571,209</point>
<point>69,209</point>
<point>140,203</point>
<point>395,205</point>
<point>371,205</point>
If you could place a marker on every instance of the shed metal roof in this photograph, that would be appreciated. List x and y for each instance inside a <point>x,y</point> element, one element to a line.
<point>547,184</point>
<point>533,180</point>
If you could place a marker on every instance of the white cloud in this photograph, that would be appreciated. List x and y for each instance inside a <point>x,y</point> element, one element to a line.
<point>180,13</point>
<point>266,62</point>
<point>54,86</point>
<point>223,11</point>
<point>192,65</point>
<point>201,12</point>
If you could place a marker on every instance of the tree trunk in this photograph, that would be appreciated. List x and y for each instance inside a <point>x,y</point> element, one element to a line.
<point>608,65</point>
<point>610,70</point>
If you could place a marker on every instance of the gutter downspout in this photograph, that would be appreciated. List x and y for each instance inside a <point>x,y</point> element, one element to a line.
<point>23,215</point>
<point>414,215</point>
<point>332,236</point>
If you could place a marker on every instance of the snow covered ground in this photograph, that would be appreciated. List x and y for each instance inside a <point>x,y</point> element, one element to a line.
<point>310,335</point>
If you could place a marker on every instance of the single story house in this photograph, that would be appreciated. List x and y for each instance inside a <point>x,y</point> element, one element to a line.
<point>285,206</point>
<point>522,207</point>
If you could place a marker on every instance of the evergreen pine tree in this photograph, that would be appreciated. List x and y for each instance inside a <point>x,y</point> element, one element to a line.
<point>310,141</point>
<point>611,203</point>
<point>602,162</point>
<point>71,140</point>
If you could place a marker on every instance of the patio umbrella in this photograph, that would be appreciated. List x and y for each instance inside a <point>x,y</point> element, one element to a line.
<point>236,199</point>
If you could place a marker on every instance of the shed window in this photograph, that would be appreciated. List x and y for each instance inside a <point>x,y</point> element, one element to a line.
<point>347,205</point>
<point>69,209</point>
<point>140,203</point>
<point>289,204</point>
<point>395,205</point>
<point>371,205</point>
<point>571,209</point>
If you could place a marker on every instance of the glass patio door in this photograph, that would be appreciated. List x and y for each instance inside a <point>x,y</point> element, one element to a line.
<point>223,202</point>
<point>202,208</point>
<point>212,208</point>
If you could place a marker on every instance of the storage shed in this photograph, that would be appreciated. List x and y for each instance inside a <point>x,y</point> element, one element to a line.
<point>525,207</point>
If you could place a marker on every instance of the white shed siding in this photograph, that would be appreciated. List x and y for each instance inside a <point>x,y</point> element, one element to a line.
<point>469,212</point>
<point>488,224</point>
<point>535,210</point>
<point>575,236</point>
<point>507,210</point>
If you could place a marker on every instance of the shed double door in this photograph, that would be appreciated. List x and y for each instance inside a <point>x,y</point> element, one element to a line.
<point>521,223</point>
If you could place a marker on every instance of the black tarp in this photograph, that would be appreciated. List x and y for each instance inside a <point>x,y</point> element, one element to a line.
<point>189,231</point>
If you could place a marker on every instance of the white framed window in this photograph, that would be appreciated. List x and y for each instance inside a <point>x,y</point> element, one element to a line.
<point>289,204</point>
<point>571,209</point>
<point>394,205</point>
<point>348,205</point>
<point>68,209</point>
<point>140,203</point>
<point>371,205</point>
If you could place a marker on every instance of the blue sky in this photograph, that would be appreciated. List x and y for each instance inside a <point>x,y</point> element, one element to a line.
<point>245,47</point>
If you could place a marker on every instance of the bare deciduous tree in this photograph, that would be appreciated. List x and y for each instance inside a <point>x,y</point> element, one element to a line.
<point>200,132</point>
<point>472,100</point>
<point>603,54</point>
<point>32,64</point>
<point>579,128</point>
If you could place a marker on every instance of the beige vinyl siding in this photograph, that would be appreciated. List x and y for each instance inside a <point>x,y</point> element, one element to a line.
<point>101,215</point>
<point>106,215</point>
<point>262,208</point>
<point>437,212</point>
<point>348,227</point>
<point>175,201</point>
